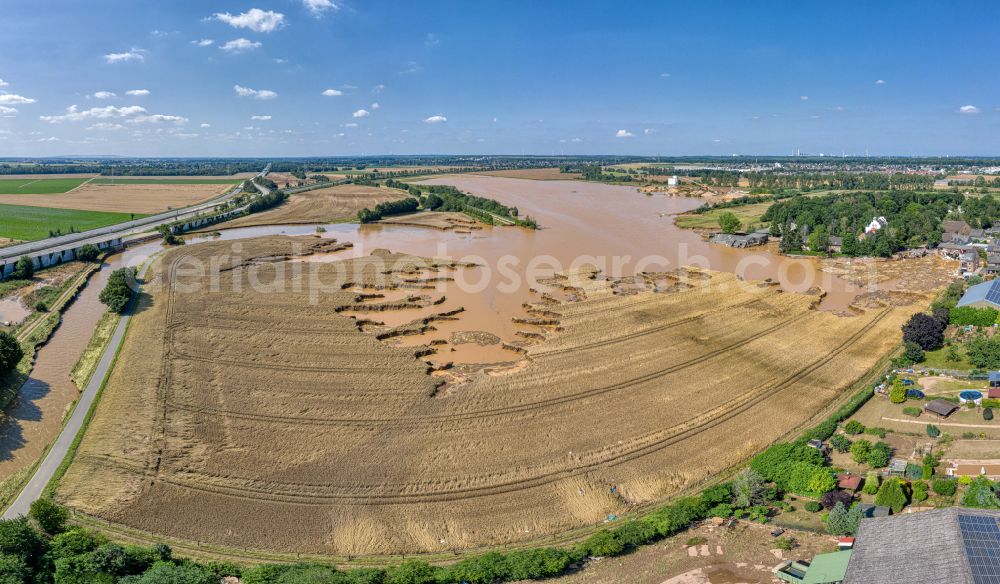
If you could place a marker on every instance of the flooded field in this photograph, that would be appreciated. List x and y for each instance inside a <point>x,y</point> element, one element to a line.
<point>279,401</point>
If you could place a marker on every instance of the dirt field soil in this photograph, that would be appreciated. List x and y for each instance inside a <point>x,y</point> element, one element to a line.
<point>337,203</point>
<point>262,419</point>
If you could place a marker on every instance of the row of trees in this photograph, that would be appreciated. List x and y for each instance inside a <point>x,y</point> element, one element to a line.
<point>386,209</point>
<point>11,353</point>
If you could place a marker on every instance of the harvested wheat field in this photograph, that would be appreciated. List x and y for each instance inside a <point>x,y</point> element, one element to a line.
<point>445,221</point>
<point>122,198</point>
<point>328,205</point>
<point>262,420</point>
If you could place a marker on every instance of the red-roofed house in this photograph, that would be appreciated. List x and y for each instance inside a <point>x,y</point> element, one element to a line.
<point>849,482</point>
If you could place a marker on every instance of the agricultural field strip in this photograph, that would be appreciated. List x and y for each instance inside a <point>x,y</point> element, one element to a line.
<point>720,414</point>
<point>625,453</point>
<point>474,415</point>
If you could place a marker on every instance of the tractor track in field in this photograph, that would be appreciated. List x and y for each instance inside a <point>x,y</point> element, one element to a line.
<point>619,455</point>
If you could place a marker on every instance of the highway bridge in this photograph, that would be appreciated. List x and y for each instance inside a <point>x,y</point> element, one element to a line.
<point>63,248</point>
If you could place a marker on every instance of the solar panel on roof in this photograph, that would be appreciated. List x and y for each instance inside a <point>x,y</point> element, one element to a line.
<point>981,535</point>
<point>993,295</point>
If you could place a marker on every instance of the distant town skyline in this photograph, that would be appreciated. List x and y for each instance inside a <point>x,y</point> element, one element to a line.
<point>333,78</point>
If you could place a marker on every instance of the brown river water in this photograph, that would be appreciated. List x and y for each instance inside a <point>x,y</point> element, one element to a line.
<point>618,229</point>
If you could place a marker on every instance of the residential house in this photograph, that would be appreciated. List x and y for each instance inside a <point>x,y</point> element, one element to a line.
<point>983,295</point>
<point>968,263</point>
<point>994,380</point>
<point>977,234</point>
<point>973,468</point>
<point>954,546</point>
<point>836,244</point>
<point>954,250</point>
<point>823,569</point>
<point>958,227</point>
<point>740,240</point>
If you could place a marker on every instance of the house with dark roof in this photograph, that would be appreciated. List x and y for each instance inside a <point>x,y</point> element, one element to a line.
<point>941,408</point>
<point>959,227</point>
<point>953,546</point>
<point>994,379</point>
<point>740,240</point>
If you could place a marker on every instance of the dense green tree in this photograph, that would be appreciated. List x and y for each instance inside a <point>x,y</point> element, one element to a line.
<point>981,493</point>
<point>984,352</point>
<point>912,353</point>
<point>969,315</point>
<point>168,573</point>
<point>879,454</point>
<point>840,443</point>
<point>897,393</point>
<point>818,240</point>
<point>945,487</point>
<point>118,291</point>
<point>854,427</point>
<point>87,253</point>
<point>50,516</point>
<point>891,495</point>
<point>843,521</point>
<point>729,222</point>
<point>860,449</point>
<point>11,352</point>
<point>24,269</point>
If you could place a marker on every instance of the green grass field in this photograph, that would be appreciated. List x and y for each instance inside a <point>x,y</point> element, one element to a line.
<point>747,214</point>
<point>38,186</point>
<point>165,181</point>
<point>30,223</point>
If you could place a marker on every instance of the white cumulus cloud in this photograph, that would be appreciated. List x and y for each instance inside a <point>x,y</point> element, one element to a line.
<point>132,54</point>
<point>157,118</point>
<point>649,131</point>
<point>351,125</point>
<point>4,110</point>
<point>318,7</point>
<point>240,45</point>
<point>206,125</point>
<point>333,92</point>
<point>969,110</point>
<point>436,119</point>
<point>254,19</point>
<point>804,97</point>
<point>14,99</point>
<point>75,114</point>
<point>623,134</point>
<point>3,83</point>
<point>106,126</point>
<point>254,93</point>
<point>260,118</point>
<point>376,105</point>
<point>361,113</point>
<point>203,42</point>
<point>137,92</point>
<point>880,82</point>
<point>105,95</point>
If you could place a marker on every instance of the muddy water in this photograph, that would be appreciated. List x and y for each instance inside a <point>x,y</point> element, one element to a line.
<point>583,223</point>
<point>591,219</point>
<point>13,310</point>
<point>35,417</point>
<point>621,231</point>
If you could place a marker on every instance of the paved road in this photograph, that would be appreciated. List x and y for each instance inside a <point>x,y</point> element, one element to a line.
<point>43,474</point>
<point>74,240</point>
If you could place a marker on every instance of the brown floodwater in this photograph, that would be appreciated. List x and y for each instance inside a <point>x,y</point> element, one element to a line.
<point>34,418</point>
<point>12,310</point>
<point>617,229</point>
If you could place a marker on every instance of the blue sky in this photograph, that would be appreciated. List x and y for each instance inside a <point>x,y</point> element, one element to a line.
<point>670,78</point>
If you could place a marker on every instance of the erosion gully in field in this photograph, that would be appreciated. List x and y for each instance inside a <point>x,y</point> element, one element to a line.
<point>288,419</point>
